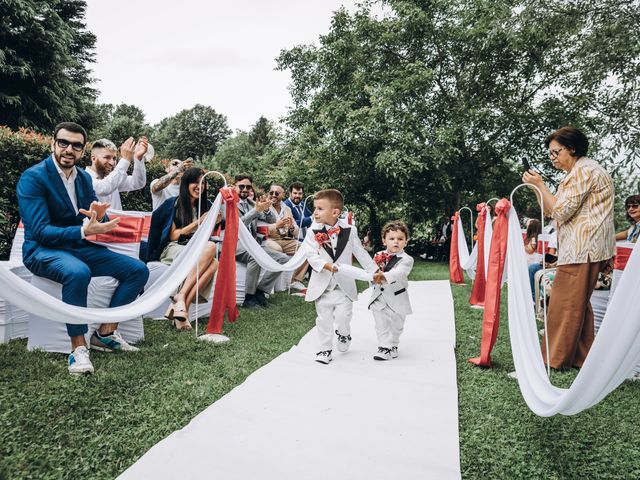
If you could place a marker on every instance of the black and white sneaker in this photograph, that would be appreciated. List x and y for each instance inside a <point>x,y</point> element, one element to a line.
<point>382,354</point>
<point>324,357</point>
<point>394,352</point>
<point>344,342</point>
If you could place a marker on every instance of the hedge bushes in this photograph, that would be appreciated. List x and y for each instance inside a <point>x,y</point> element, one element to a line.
<point>24,148</point>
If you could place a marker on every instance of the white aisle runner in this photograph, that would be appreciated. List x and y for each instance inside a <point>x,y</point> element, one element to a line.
<point>355,418</point>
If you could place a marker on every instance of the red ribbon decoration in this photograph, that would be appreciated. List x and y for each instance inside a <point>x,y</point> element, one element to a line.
<point>455,270</point>
<point>621,258</point>
<point>479,282</point>
<point>224,295</point>
<point>497,257</point>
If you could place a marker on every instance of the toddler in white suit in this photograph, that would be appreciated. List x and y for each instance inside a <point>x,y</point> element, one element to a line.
<point>390,297</point>
<point>327,245</point>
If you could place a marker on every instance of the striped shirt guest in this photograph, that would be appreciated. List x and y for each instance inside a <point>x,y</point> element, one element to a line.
<point>583,210</point>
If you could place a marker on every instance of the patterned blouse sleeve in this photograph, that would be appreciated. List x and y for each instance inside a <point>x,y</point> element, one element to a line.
<point>571,197</point>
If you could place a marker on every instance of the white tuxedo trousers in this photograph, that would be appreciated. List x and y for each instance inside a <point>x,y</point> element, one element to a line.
<point>389,324</point>
<point>333,306</point>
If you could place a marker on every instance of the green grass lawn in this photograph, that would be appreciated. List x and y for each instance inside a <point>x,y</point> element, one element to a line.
<point>53,425</point>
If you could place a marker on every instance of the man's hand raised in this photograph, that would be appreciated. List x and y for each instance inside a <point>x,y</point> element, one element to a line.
<point>141,148</point>
<point>99,207</point>
<point>263,204</point>
<point>126,149</point>
<point>94,226</point>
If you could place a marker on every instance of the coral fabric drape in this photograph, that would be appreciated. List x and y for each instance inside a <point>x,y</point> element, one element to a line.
<point>497,256</point>
<point>455,269</point>
<point>479,281</point>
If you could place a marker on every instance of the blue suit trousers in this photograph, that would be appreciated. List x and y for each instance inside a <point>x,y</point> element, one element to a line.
<point>74,267</point>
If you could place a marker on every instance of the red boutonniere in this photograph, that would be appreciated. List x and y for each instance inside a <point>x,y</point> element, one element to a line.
<point>323,239</point>
<point>381,259</point>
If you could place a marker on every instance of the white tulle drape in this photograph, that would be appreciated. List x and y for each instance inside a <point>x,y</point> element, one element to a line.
<point>29,298</point>
<point>468,261</point>
<point>613,355</point>
<point>264,260</point>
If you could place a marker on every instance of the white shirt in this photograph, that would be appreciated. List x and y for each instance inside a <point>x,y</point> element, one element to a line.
<point>158,198</point>
<point>108,188</point>
<point>333,236</point>
<point>70,187</point>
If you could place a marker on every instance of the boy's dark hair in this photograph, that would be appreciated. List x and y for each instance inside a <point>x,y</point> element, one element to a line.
<point>571,138</point>
<point>243,176</point>
<point>395,226</point>
<point>72,127</point>
<point>334,197</point>
<point>297,186</point>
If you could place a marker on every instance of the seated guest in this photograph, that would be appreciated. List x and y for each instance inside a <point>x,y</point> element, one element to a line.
<point>632,207</point>
<point>54,196</point>
<point>298,206</point>
<point>250,212</point>
<point>172,226</point>
<point>550,255</point>
<point>284,233</point>
<point>534,229</point>
<point>168,186</point>
<point>109,178</point>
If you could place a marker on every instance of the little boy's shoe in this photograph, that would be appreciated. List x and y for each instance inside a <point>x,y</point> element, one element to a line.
<point>394,352</point>
<point>382,354</point>
<point>110,343</point>
<point>344,342</point>
<point>78,362</point>
<point>324,357</point>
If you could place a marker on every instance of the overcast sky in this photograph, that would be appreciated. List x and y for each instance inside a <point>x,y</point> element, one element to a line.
<point>167,56</point>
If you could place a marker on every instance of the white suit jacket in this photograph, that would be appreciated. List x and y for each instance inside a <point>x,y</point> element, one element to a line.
<point>348,245</point>
<point>395,291</point>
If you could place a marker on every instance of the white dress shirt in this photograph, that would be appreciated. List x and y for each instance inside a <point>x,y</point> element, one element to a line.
<point>108,188</point>
<point>70,187</point>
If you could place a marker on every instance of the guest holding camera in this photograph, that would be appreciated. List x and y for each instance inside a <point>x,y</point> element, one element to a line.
<point>168,185</point>
<point>583,210</point>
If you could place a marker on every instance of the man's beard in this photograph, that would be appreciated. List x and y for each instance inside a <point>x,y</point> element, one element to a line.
<point>243,195</point>
<point>102,170</point>
<point>58,159</point>
<point>296,201</point>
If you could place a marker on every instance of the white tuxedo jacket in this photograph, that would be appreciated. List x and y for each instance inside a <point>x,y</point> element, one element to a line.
<point>348,245</point>
<point>395,292</point>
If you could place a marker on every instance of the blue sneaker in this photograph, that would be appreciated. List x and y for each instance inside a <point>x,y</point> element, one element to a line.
<point>79,362</point>
<point>110,343</point>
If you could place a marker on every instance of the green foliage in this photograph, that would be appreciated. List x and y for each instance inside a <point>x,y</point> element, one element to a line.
<point>18,151</point>
<point>140,200</point>
<point>196,133</point>
<point>121,122</point>
<point>44,52</point>
<point>431,104</point>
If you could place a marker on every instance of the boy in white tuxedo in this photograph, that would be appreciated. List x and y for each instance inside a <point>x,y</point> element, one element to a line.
<point>390,297</point>
<point>327,245</point>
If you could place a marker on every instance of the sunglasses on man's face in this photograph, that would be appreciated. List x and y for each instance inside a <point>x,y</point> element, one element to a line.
<point>274,194</point>
<point>632,205</point>
<point>244,187</point>
<point>64,144</point>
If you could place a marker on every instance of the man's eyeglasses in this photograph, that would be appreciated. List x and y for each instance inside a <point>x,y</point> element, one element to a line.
<point>64,144</point>
<point>274,194</point>
<point>554,153</point>
<point>629,206</point>
<point>244,187</point>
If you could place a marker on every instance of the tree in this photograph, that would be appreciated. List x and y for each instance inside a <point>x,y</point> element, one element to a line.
<point>195,132</point>
<point>45,50</point>
<point>121,122</point>
<point>432,103</point>
<point>261,135</point>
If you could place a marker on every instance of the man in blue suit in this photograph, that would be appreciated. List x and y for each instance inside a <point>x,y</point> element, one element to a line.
<point>59,208</point>
<point>302,216</point>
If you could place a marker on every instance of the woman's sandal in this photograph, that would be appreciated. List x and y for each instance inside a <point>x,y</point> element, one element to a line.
<point>181,328</point>
<point>181,314</point>
<point>170,311</point>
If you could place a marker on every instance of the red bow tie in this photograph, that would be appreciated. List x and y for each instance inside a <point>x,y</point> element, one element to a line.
<point>333,230</point>
<point>383,258</point>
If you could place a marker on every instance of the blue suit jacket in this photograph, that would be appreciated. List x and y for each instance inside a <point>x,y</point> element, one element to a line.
<point>303,220</point>
<point>46,209</point>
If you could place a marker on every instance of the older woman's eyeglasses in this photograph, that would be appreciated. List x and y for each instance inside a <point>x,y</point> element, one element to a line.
<point>629,206</point>
<point>556,152</point>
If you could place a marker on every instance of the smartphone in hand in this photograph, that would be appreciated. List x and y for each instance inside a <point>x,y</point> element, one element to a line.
<point>525,164</point>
